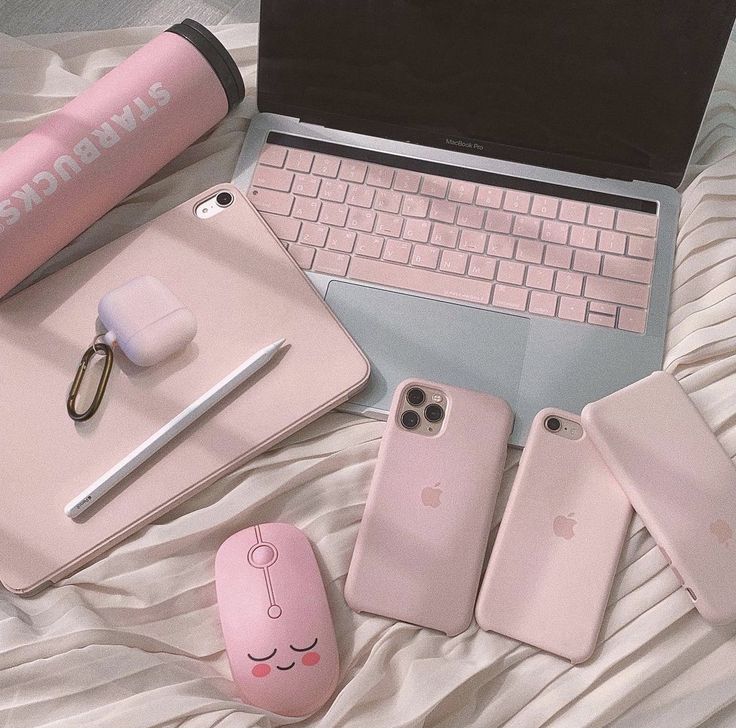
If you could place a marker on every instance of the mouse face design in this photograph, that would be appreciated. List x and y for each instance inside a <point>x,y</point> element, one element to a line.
<point>307,656</point>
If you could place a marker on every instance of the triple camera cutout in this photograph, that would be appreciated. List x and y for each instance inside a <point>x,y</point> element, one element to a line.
<point>423,409</point>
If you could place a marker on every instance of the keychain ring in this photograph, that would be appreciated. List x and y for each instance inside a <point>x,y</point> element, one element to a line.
<point>101,349</point>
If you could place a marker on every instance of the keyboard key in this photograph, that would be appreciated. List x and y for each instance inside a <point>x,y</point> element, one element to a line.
<point>269,201</point>
<point>453,262</point>
<point>333,190</point>
<point>369,245</point>
<point>305,185</point>
<point>444,235</point>
<point>613,291</point>
<point>544,304</point>
<point>414,206</point>
<point>600,216</point>
<point>509,297</point>
<point>298,160</point>
<point>360,196</point>
<point>529,251</point>
<point>461,192</point>
<point>526,227</point>
<point>600,307</point>
<point>482,267</point>
<point>325,166</point>
<point>569,283</point>
<point>641,247</point>
<point>306,208</point>
<point>272,178</point>
<point>632,319</point>
<point>389,225</point>
<point>544,207</point>
<point>359,219</point>
<point>497,221</point>
<point>333,214</point>
<point>572,211</point>
<point>423,281</point>
<point>627,269</point>
<point>637,223</point>
<point>285,228</point>
<point>272,155</point>
<point>471,217</point>
<point>537,277</point>
<point>489,196</point>
<point>387,201</point>
<point>425,256</point>
<point>397,251</point>
<point>558,256</point>
<point>572,309</point>
<point>353,171</point>
<point>474,241</point>
<point>555,232</point>
<point>303,256</point>
<point>442,211</point>
<point>611,242</point>
<point>502,246</point>
<point>335,264</point>
<point>342,240</point>
<point>406,181</point>
<point>434,186</point>
<point>416,230</point>
<point>583,237</point>
<point>516,201</point>
<point>601,320</point>
<point>509,271</point>
<point>586,261</point>
<point>379,176</point>
<point>313,234</point>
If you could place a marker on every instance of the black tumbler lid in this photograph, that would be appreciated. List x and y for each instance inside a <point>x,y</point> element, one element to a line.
<point>216,55</point>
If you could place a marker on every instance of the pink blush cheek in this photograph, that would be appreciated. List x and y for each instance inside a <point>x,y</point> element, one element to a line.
<point>311,658</point>
<point>260,670</point>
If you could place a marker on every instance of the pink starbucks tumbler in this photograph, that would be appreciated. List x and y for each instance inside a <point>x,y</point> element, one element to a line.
<point>56,181</point>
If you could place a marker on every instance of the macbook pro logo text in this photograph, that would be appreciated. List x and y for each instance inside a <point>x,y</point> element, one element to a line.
<point>464,143</point>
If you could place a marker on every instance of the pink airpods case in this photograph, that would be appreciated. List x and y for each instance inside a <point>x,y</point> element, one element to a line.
<point>276,620</point>
<point>146,320</point>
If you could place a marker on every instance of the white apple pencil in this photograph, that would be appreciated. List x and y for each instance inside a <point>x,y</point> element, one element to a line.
<point>170,430</point>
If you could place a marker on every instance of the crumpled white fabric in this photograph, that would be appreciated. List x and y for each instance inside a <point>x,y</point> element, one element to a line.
<point>133,640</point>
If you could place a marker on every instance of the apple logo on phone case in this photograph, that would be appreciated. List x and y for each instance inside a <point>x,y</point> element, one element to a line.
<point>722,531</point>
<point>564,526</point>
<point>431,496</point>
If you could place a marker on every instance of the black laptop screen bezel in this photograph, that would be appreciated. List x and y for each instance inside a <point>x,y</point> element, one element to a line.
<point>283,103</point>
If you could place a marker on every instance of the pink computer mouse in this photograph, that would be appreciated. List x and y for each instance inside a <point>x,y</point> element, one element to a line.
<point>276,620</point>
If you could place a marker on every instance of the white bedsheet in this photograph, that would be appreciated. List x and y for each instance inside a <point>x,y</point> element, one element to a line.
<point>133,640</point>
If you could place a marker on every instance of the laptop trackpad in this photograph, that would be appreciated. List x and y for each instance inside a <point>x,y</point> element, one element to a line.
<point>409,336</point>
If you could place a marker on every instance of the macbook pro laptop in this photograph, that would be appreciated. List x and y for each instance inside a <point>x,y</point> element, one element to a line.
<point>485,191</point>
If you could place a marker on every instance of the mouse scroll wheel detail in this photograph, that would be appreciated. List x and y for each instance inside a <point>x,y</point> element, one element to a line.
<point>262,555</point>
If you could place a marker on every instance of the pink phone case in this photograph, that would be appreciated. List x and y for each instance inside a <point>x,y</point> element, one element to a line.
<point>420,548</point>
<point>679,480</point>
<point>558,546</point>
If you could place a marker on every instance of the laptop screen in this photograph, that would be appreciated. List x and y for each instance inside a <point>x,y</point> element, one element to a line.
<point>613,88</point>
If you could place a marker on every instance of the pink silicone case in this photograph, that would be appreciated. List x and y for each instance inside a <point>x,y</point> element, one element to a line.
<point>276,620</point>
<point>418,563</point>
<point>679,480</point>
<point>558,546</point>
<point>146,320</point>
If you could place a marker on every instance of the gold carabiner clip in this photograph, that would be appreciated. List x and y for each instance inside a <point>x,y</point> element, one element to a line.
<point>102,349</point>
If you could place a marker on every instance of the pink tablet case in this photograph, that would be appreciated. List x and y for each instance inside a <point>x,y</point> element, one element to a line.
<point>416,558</point>
<point>679,480</point>
<point>558,546</point>
<point>245,292</point>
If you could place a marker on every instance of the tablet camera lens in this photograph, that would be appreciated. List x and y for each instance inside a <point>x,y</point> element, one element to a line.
<point>224,199</point>
<point>434,413</point>
<point>415,396</point>
<point>410,419</point>
<point>552,424</point>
